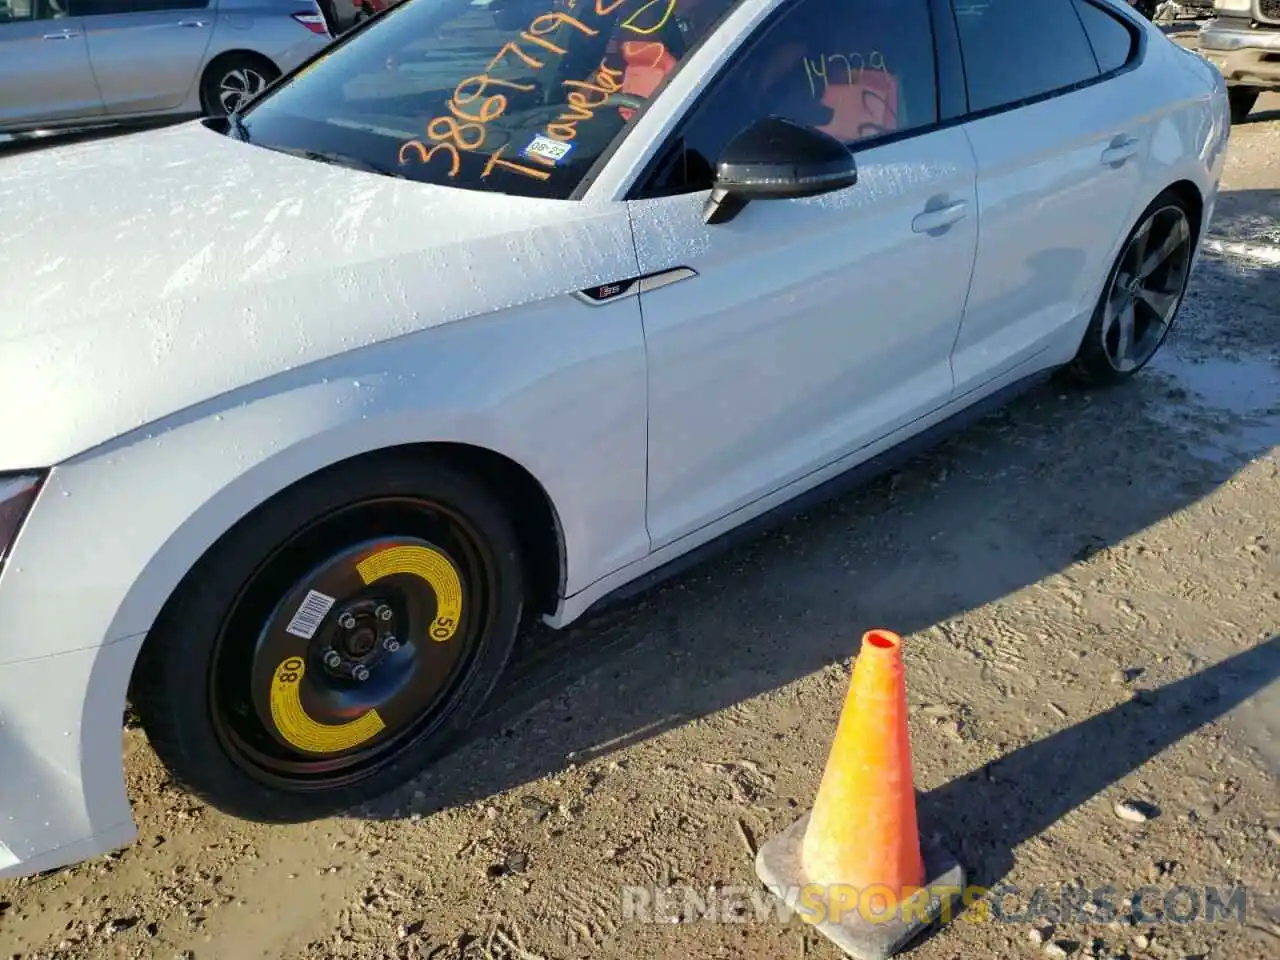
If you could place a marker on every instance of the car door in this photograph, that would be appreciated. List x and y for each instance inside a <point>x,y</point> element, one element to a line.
<point>803,329</point>
<point>1060,150</point>
<point>146,54</point>
<point>44,65</point>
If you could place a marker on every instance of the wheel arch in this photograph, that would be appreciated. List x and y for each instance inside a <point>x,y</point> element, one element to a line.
<point>529,507</point>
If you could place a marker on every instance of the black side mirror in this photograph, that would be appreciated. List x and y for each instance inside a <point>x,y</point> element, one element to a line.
<point>775,159</point>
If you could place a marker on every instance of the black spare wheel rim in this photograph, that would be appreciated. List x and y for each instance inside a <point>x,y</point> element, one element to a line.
<point>351,642</point>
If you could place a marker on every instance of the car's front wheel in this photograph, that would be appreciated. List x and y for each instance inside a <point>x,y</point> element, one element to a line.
<point>1142,296</point>
<point>334,642</point>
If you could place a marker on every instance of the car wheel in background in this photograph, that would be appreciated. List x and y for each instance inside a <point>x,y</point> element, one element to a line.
<point>230,82</point>
<point>1242,101</point>
<point>1143,294</point>
<point>334,642</point>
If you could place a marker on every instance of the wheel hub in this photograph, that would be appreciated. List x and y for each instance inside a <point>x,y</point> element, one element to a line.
<point>366,630</point>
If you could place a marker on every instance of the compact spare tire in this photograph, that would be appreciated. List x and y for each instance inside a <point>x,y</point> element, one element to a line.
<point>335,641</point>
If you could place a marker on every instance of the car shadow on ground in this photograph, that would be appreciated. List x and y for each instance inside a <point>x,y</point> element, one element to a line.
<point>994,809</point>
<point>1025,494</point>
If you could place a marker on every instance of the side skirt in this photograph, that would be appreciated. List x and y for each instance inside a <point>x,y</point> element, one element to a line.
<point>852,478</point>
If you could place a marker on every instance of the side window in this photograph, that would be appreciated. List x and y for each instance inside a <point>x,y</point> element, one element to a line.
<point>1015,50</point>
<point>23,11</point>
<point>859,70</point>
<point>1114,43</point>
<point>100,8</point>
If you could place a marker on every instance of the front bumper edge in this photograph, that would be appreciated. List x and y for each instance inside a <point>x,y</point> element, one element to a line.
<point>62,793</point>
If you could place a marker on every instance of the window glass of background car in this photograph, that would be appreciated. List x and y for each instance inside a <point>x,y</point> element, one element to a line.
<point>11,10</point>
<point>509,96</point>
<point>859,70</point>
<point>1113,42</point>
<point>1015,50</point>
<point>29,11</point>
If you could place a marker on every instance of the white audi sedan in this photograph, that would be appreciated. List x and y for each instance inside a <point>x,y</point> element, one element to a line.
<point>496,307</point>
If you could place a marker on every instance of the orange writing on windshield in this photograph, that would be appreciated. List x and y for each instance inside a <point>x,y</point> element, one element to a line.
<point>479,100</point>
<point>584,99</point>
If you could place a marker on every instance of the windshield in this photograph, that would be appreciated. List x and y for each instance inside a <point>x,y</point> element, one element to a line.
<point>508,96</point>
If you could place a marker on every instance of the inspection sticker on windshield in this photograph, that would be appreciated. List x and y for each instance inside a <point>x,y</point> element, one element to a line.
<point>307,620</point>
<point>548,149</point>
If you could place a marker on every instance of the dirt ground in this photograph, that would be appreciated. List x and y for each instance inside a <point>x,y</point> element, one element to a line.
<point>1089,585</point>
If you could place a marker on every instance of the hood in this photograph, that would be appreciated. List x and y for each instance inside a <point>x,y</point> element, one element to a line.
<point>147,273</point>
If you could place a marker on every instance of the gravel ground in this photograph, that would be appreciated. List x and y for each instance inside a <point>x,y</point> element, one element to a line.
<point>1089,585</point>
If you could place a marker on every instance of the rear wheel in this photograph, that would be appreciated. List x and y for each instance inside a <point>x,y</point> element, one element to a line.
<point>1142,295</point>
<point>336,641</point>
<point>1242,101</point>
<point>230,82</point>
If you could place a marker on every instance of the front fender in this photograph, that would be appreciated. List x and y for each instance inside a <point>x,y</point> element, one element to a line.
<point>557,387</point>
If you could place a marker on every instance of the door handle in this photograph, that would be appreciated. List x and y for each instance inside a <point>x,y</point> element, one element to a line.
<point>1121,150</point>
<point>193,23</point>
<point>936,219</point>
<point>64,35</point>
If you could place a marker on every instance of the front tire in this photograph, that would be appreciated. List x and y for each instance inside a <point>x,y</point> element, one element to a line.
<point>1142,296</point>
<point>335,641</point>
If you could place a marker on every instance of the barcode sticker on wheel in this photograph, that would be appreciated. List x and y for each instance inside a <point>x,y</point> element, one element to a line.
<point>307,620</point>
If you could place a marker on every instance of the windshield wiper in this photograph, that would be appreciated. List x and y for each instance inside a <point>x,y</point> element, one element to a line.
<point>339,160</point>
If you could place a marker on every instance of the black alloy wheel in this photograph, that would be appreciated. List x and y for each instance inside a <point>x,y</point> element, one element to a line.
<point>1143,294</point>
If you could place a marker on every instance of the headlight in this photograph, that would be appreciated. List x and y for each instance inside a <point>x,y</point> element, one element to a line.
<point>17,493</point>
<point>1233,6</point>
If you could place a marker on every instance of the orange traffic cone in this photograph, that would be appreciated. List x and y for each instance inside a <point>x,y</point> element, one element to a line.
<point>854,866</point>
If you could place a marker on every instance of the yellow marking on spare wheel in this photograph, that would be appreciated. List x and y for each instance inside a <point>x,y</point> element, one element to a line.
<point>300,730</point>
<point>433,567</point>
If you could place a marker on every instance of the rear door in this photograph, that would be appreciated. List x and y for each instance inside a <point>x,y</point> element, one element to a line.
<point>44,65</point>
<point>1060,147</point>
<point>146,54</point>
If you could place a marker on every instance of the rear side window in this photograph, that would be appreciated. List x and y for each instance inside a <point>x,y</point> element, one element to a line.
<point>1016,50</point>
<point>1113,42</point>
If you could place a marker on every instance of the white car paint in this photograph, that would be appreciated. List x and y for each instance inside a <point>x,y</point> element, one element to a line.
<point>180,346</point>
<point>754,380</point>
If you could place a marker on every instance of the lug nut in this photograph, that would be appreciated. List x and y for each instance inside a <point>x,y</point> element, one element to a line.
<point>332,660</point>
<point>347,622</point>
<point>390,644</point>
<point>384,612</point>
<point>361,673</point>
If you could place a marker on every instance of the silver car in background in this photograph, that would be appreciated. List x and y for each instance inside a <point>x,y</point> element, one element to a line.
<point>78,63</point>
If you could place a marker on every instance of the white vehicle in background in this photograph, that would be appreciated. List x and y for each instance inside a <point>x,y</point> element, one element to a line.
<point>494,310</point>
<point>1243,41</point>
<point>83,63</point>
